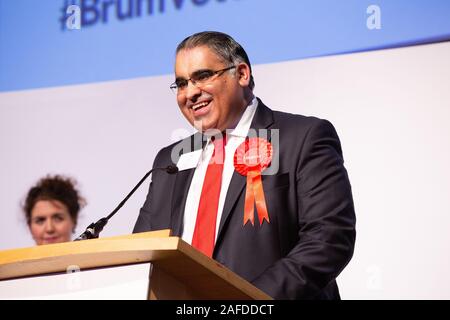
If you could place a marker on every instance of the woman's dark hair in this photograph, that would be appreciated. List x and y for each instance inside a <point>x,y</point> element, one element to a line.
<point>57,188</point>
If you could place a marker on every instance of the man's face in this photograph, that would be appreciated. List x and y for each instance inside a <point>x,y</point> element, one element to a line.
<point>217,103</point>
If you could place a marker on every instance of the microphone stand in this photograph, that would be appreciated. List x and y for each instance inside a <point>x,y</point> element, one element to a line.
<point>94,229</point>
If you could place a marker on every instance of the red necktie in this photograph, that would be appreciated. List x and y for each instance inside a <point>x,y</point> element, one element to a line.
<point>205,225</point>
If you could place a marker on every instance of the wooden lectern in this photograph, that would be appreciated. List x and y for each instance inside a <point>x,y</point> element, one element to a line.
<point>149,265</point>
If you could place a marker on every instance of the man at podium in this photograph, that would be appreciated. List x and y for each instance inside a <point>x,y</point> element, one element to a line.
<point>263,192</point>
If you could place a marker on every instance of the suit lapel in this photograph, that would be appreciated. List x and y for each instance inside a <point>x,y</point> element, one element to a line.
<point>234,190</point>
<point>181,188</point>
<point>263,119</point>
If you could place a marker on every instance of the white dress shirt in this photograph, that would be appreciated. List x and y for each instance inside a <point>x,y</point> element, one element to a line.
<point>234,139</point>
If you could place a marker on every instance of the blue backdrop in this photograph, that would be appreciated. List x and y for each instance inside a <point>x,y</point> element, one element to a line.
<point>121,39</point>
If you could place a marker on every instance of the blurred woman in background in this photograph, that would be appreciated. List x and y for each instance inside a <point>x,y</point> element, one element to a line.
<point>51,209</point>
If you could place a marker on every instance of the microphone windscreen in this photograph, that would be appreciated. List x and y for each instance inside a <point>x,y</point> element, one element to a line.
<point>172,169</point>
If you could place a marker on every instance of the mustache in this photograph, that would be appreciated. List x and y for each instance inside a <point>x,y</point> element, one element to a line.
<point>199,99</point>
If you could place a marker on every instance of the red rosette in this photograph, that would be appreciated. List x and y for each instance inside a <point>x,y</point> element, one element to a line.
<point>252,154</point>
<point>251,158</point>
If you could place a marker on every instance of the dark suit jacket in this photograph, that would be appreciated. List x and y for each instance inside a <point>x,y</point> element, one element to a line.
<point>311,234</point>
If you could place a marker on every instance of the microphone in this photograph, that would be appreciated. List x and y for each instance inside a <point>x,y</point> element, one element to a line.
<point>94,229</point>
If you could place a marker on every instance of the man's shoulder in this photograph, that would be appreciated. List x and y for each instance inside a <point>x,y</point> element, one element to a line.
<point>285,118</point>
<point>297,122</point>
<point>293,118</point>
<point>299,125</point>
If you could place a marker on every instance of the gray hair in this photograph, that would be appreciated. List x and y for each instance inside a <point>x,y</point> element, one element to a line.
<point>222,44</point>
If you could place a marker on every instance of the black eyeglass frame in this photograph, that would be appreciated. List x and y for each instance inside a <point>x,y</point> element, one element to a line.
<point>201,77</point>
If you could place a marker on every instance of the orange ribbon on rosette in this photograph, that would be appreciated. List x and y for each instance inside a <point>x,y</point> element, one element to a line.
<point>250,159</point>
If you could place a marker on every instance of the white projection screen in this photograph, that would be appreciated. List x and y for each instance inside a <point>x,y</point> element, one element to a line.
<point>391,109</point>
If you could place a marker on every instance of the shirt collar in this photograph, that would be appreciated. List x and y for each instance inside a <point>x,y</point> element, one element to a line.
<point>241,129</point>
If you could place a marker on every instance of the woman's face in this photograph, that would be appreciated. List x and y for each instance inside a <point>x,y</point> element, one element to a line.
<point>51,222</point>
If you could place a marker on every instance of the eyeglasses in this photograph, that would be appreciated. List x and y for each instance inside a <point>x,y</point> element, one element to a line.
<point>198,78</point>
